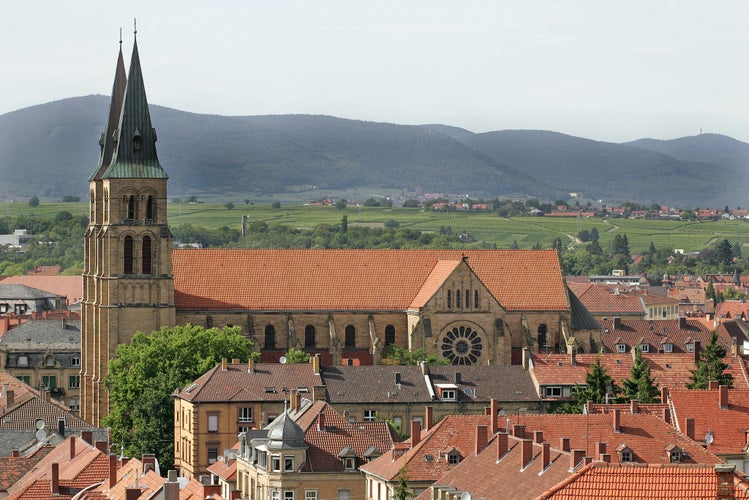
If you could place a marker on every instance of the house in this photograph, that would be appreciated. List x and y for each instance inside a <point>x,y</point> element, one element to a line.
<point>309,452</point>
<point>19,238</point>
<point>231,398</point>
<point>224,472</point>
<point>732,309</point>
<point>681,335</point>
<point>603,301</point>
<point>24,300</point>
<point>70,288</point>
<point>46,354</point>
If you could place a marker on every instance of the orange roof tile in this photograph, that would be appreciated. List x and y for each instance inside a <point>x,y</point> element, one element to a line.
<point>599,300</point>
<point>65,286</point>
<point>355,279</point>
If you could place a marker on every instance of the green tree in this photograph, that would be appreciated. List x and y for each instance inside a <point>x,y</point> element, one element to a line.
<point>711,366</point>
<point>640,384</point>
<point>594,234</point>
<point>296,356</point>
<point>341,204</point>
<point>229,205</point>
<point>276,205</point>
<point>394,355</point>
<point>34,201</point>
<point>145,373</point>
<point>599,388</point>
<point>710,291</point>
<point>410,203</point>
<point>402,491</point>
<point>344,223</point>
<point>724,252</point>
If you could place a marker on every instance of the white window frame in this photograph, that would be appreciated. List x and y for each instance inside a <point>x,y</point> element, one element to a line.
<point>275,463</point>
<point>75,361</point>
<point>310,494</point>
<point>668,347</point>
<point>349,463</point>
<point>644,347</point>
<point>550,390</point>
<point>690,347</point>
<point>275,495</point>
<point>288,495</point>
<point>243,411</point>
<point>621,348</point>
<point>212,423</point>
<point>449,394</point>
<point>77,384</point>
<point>370,415</point>
<point>286,461</point>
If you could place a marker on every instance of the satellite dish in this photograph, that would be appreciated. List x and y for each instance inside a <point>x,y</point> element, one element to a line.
<point>282,360</point>
<point>41,434</point>
<point>39,424</point>
<point>709,437</point>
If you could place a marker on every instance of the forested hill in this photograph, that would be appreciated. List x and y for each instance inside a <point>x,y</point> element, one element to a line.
<point>50,150</point>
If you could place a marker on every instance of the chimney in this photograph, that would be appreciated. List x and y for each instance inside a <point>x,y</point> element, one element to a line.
<point>318,393</point>
<point>397,378</point>
<point>321,422</point>
<point>55,478</point>
<point>697,351</point>
<point>234,361</point>
<point>545,455</point>
<point>605,457</point>
<point>538,437</point>
<point>292,400</point>
<point>617,323</point>
<point>16,453</point>
<point>518,431</point>
<point>298,399</point>
<point>87,436</point>
<point>64,323</point>
<point>689,427</point>
<point>616,417</point>
<point>61,427</point>
<point>664,395</point>
<point>171,486</point>
<point>502,444</point>
<point>458,378</point>
<point>132,493</point>
<point>725,486</point>
<point>667,415</point>
<point>712,385</point>
<point>526,452</point>
<point>101,446</point>
<point>526,358</point>
<point>424,367</point>
<point>634,407</point>
<point>251,365</point>
<point>149,462</point>
<point>112,470</point>
<point>10,398</point>
<point>494,409</point>
<point>564,444</point>
<point>72,447</point>
<point>223,364</point>
<point>600,449</point>
<point>428,417</point>
<point>723,397</point>
<point>482,437</point>
<point>683,323</point>
<point>576,456</point>
<point>315,360</point>
<point>573,355</point>
<point>415,433</point>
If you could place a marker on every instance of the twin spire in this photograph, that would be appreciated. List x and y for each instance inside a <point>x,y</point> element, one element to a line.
<point>128,145</point>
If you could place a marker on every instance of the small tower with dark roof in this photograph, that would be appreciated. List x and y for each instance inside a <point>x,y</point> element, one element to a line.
<point>127,276</point>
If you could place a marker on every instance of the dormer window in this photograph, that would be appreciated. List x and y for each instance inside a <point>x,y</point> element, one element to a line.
<point>447,392</point>
<point>674,453</point>
<point>644,347</point>
<point>49,361</point>
<point>690,347</point>
<point>621,348</point>
<point>136,141</point>
<point>625,453</point>
<point>668,347</point>
<point>4,308</point>
<point>453,457</point>
<point>348,455</point>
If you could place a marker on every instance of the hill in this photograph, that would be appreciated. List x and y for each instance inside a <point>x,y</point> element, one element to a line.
<point>50,150</point>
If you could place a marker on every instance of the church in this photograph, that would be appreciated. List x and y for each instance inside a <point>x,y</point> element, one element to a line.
<point>468,306</point>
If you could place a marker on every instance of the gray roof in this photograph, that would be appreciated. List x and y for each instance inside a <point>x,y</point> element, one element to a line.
<point>23,292</point>
<point>282,434</point>
<point>42,335</point>
<point>582,319</point>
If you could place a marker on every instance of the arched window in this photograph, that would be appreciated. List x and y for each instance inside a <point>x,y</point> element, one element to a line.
<point>150,208</point>
<point>270,337</point>
<point>389,335</point>
<point>468,299</point>
<point>309,336</point>
<point>130,207</point>
<point>449,299</point>
<point>350,336</point>
<point>476,299</point>
<point>146,255</point>
<point>127,255</point>
<point>457,299</point>
<point>542,340</point>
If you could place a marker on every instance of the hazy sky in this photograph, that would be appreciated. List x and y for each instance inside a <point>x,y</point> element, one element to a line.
<point>606,70</point>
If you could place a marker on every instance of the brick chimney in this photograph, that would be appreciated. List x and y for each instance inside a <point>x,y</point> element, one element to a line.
<point>87,436</point>
<point>224,363</point>
<point>321,422</point>
<point>72,447</point>
<point>564,444</point>
<point>667,415</point>
<point>634,406</point>
<point>538,437</point>
<point>573,355</point>
<point>600,449</point>
<point>318,393</point>
<point>697,351</point>
<point>605,457</point>
<point>55,479</point>
<point>132,493</point>
<point>171,486</point>
<point>428,417</point>
<point>482,437</point>
<point>576,456</point>
<point>415,433</point>
<point>494,409</point>
<point>149,462</point>
<point>616,420</point>
<point>723,397</point>
<point>112,470</point>
<point>664,395</point>
<point>725,487</point>
<point>502,444</point>
<point>689,427</point>
<point>315,360</point>
<point>712,385</point>
<point>518,431</point>
<point>251,365</point>
<point>545,455</point>
<point>617,323</point>
<point>683,325</point>
<point>526,452</point>
<point>101,446</point>
<point>10,398</point>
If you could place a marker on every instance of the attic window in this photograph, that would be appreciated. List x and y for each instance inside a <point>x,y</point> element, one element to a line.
<point>427,457</point>
<point>690,347</point>
<point>136,141</point>
<point>621,348</point>
<point>644,347</point>
<point>302,389</point>
<point>453,457</point>
<point>270,390</point>
<point>3,308</point>
<point>668,347</point>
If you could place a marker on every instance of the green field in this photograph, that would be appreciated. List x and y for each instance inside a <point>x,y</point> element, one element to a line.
<point>484,227</point>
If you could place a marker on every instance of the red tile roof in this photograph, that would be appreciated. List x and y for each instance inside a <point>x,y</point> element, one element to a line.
<point>356,279</point>
<point>599,300</point>
<point>655,333</point>
<point>732,309</point>
<point>148,482</point>
<point>66,286</point>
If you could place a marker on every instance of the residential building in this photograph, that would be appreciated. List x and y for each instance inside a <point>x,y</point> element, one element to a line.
<point>22,300</point>
<point>680,335</point>
<point>68,287</point>
<point>19,238</point>
<point>608,301</point>
<point>231,398</point>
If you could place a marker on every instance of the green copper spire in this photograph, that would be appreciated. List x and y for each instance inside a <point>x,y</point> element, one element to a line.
<point>135,150</point>
<point>109,136</point>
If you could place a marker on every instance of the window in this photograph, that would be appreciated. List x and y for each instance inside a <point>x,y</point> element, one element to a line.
<point>26,379</point>
<point>690,347</point>
<point>675,456</point>
<point>49,381</point>
<point>448,394</point>
<point>130,207</point>
<point>468,299</point>
<point>73,404</point>
<point>75,360</point>
<point>668,347</point>
<point>310,494</point>
<point>621,347</point>
<point>349,463</point>
<point>350,340</point>
<point>74,381</point>
<point>476,299</point>
<point>146,255</point>
<point>245,414</point>
<point>212,423</point>
<point>275,463</point>
<point>3,308</point>
<point>20,308</point>
<point>49,361</point>
<point>449,299</point>
<point>457,299</point>
<point>542,338</point>
<point>212,455</point>
<point>370,415</point>
<point>644,347</point>
<point>127,255</point>
<point>553,392</point>
<point>275,495</point>
<point>626,456</point>
<point>453,458</point>
<point>270,337</point>
<point>309,337</point>
<point>389,335</point>
<point>288,464</point>
<point>150,208</point>
<point>288,495</point>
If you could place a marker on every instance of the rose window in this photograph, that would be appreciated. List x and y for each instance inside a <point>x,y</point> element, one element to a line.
<point>462,345</point>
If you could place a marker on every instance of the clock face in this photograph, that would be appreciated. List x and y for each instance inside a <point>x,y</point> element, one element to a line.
<point>462,345</point>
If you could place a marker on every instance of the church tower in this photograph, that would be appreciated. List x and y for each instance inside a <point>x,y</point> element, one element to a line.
<point>127,275</point>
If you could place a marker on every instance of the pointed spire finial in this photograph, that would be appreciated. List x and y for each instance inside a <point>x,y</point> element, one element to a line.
<point>135,27</point>
<point>120,37</point>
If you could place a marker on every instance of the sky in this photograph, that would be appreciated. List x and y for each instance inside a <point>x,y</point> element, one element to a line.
<point>606,70</point>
